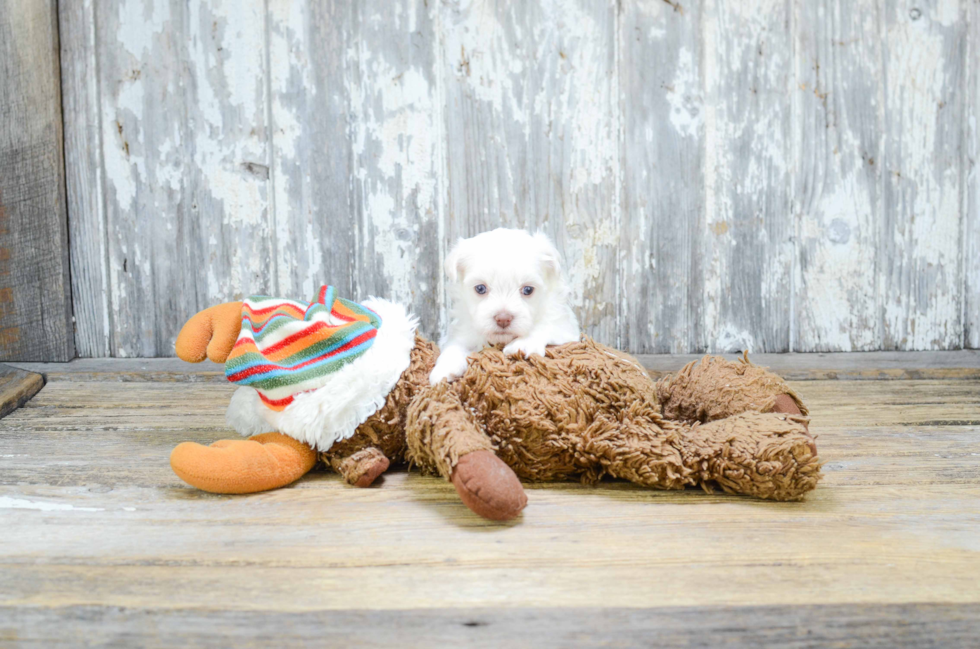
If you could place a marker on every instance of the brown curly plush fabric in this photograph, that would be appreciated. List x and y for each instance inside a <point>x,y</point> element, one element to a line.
<point>714,388</point>
<point>585,410</point>
<point>381,439</point>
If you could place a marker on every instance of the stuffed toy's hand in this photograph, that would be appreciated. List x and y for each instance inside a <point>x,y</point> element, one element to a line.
<point>488,486</point>
<point>210,333</point>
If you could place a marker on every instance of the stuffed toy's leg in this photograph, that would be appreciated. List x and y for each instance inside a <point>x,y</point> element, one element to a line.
<point>766,455</point>
<point>714,388</point>
<point>260,463</point>
<point>443,437</point>
<point>360,468</point>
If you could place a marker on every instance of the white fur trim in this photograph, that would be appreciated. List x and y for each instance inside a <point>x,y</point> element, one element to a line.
<point>333,412</point>
<point>244,413</point>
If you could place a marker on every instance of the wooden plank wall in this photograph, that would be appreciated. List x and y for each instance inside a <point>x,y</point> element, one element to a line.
<point>35,302</point>
<point>766,174</point>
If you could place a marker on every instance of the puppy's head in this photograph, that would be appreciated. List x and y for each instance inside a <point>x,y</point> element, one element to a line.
<point>503,282</point>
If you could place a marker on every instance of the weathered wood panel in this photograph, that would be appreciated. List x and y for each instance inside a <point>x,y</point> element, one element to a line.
<point>900,626</point>
<point>971,174</point>
<point>84,179</point>
<point>17,387</point>
<point>99,537</point>
<point>357,151</point>
<point>397,144</point>
<point>773,175</point>
<point>532,135</point>
<point>747,249</point>
<point>919,252</point>
<point>309,45</point>
<point>35,295</point>
<point>663,182</point>
<point>838,173</point>
<point>185,151</point>
<point>963,364</point>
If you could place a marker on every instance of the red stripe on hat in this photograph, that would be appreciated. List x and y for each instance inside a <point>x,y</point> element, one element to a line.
<point>279,404</point>
<point>262,369</point>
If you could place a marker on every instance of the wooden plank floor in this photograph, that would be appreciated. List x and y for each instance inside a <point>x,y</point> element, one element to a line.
<point>101,544</point>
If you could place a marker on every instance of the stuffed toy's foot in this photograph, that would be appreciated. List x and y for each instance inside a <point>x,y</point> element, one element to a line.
<point>488,486</point>
<point>260,463</point>
<point>362,468</point>
<point>787,405</point>
<point>765,455</point>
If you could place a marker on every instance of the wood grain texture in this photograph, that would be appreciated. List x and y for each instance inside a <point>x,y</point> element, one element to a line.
<point>396,140</point>
<point>747,248</point>
<point>923,115</point>
<point>663,180</point>
<point>839,153</point>
<point>776,175</point>
<point>35,292</point>
<point>971,174</point>
<point>312,163</point>
<point>356,151</point>
<point>532,130</point>
<point>918,626</point>
<point>16,388</point>
<point>85,178</point>
<point>102,541</point>
<point>953,365</point>
<point>185,148</point>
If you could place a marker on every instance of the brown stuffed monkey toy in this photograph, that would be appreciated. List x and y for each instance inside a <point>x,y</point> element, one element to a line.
<point>581,411</point>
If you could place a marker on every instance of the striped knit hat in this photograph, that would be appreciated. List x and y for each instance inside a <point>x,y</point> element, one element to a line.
<point>287,347</point>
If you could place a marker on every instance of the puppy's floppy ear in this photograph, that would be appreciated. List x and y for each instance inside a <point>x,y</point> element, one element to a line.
<point>456,261</point>
<point>548,255</point>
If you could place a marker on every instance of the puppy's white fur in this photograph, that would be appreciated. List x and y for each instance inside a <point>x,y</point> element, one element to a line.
<point>504,262</point>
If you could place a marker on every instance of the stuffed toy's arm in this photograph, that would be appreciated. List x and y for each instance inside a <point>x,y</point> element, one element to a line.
<point>714,388</point>
<point>210,333</point>
<point>443,437</point>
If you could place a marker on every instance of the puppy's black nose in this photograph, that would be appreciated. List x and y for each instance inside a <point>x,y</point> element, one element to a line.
<point>503,319</point>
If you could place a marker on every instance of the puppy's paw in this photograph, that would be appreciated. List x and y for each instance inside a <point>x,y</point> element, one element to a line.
<point>525,346</point>
<point>448,369</point>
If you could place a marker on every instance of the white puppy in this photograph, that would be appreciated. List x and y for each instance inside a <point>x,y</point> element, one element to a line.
<point>506,287</point>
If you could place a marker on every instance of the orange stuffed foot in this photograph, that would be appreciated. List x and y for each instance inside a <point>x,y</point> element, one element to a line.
<point>260,463</point>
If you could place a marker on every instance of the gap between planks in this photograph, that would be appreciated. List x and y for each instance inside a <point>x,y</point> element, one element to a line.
<point>952,365</point>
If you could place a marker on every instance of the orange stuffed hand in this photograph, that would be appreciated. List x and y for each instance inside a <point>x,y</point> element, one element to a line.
<point>210,333</point>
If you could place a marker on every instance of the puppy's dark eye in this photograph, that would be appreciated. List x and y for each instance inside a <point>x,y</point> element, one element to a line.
<point>527,290</point>
<point>481,289</point>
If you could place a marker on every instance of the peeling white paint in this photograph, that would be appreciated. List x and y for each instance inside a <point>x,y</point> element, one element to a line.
<point>464,115</point>
<point>839,276</point>
<point>747,90</point>
<point>921,305</point>
<point>685,96</point>
<point>393,111</point>
<point>142,22</point>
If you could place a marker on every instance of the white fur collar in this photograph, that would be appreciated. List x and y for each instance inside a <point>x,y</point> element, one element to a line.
<point>333,412</point>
